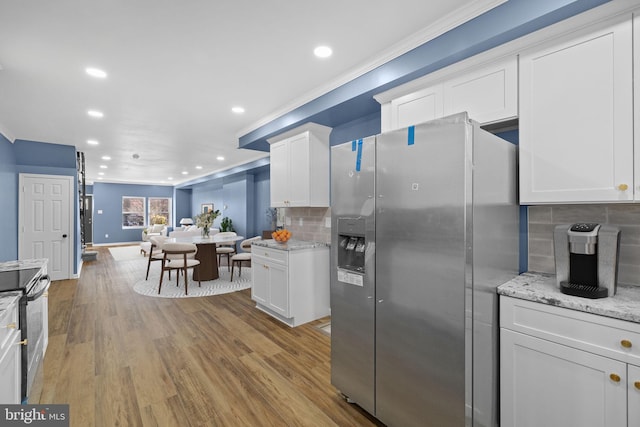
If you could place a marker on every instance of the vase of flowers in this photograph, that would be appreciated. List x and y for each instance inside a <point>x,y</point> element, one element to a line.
<point>205,221</point>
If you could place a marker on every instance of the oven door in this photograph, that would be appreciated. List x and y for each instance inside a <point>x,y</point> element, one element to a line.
<point>36,334</point>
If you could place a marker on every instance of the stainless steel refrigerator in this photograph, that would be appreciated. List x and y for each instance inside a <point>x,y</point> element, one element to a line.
<point>424,228</point>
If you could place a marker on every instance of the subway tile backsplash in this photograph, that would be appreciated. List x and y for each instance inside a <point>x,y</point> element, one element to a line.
<point>308,223</point>
<point>543,219</point>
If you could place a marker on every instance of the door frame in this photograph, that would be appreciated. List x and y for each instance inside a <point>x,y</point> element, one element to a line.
<point>72,213</point>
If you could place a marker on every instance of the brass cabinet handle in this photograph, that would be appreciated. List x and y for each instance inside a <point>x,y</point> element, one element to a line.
<point>23,342</point>
<point>615,378</point>
<point>626,343</point>
<point>637,385</point>
<point>11,325</point>
<point>623,187</point>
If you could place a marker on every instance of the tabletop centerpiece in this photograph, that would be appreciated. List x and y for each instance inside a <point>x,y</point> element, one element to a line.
<point>205,221</point>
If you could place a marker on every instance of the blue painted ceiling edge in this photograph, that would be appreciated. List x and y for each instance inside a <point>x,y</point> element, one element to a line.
<point>354,99</point>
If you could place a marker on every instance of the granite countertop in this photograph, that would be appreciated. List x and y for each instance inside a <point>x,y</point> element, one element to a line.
<point>7,298</point>
<point>542,288</point>
<point>23,264</point>
<point>291,245</point>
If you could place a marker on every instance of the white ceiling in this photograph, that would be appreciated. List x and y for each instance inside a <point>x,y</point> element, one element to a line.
<point>175,69</point>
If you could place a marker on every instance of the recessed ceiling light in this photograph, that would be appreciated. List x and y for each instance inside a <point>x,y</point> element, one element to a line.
<point>96,72</point>
<point>99,177</point>
<point>237,110</point>
<point>170,178</point>
<point>322,51</point>
<point>100,173</point>
<point>92,142</point>
<point>106,157</point>
<point>95,113</point>
<point>220,158</point>
<point>103,166</point>
<point>198,167</point>
<point>185,173</point>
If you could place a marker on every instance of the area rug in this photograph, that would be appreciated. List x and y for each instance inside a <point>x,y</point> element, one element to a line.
<point>126,253</point>
<point>222,285</point>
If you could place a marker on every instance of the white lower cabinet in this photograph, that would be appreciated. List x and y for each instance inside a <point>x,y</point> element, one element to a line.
<point>10,351</point>
<point>560,367</point>
<point>291,285</point>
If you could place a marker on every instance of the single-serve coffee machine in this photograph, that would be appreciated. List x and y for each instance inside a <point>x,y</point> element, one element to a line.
<point>586,256</point>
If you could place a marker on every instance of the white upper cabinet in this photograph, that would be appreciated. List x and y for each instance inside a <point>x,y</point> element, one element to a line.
<point>576,117</point>
<point>488,92</point>
<point>300,167</point>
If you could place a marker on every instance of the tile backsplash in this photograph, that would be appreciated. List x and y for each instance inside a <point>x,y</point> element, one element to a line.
<point>543,219</point>
<point>308,223</point>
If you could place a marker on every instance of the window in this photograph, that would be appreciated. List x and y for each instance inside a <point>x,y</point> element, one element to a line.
<point>159,210</point>
<point>133,212</point>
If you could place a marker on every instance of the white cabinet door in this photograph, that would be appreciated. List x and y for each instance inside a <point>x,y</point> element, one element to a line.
<point>10,372</point>
<point>260,280</point>
<point>279,289</point>
<point>636,110</point>
<point>417,107</point>
<point>548,384</point>
<point>489,94</point>
<point>279,174</point>
<point>633,394</point>
<point>576,124</point>
<point>299,171</point>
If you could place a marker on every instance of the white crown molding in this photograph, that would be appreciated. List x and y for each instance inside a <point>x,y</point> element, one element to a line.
<point>446,23</point>
<point>604,12</point>
<point>5,132</point>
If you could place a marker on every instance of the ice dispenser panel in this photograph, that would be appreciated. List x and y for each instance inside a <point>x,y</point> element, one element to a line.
<point>351,244</point>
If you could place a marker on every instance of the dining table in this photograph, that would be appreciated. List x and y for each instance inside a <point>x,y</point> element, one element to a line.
<point>206,254</point>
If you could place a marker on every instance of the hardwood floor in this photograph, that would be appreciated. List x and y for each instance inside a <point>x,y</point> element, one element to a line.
<point>119,358</point>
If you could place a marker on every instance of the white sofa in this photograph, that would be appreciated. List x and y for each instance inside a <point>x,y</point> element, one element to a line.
<point>191,231</point>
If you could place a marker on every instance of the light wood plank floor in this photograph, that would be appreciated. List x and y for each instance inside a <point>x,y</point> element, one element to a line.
<point>119,358</point>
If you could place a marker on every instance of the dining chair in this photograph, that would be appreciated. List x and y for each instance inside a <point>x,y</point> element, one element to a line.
<point>241,257</point>
<point>155,252</point>
<point>226,248</point>
<point>176,257</point>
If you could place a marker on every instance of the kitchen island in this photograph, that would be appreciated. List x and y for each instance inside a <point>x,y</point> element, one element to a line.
<point>291,280</point>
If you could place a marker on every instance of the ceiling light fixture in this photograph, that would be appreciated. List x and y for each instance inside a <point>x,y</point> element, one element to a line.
<point>100,173</point>
<point>237,110</point>
<point>170,178</point>
<point>220,158</point>
<point>95,113</point>
<point>185,173</point>
<point>323,51</point>
<point>106,157</point>
<point>96,72</point>
<point>92,142</point>
<point>103,166</point>
<point>198,167</point>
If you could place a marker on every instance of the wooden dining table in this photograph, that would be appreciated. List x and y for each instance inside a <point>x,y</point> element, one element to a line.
<point>208,268</point>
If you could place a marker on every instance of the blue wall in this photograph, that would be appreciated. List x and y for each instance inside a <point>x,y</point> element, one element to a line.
<point>181,205</point>
<point>262,202</point>
<point>9,195</point>
<point>108,199</point>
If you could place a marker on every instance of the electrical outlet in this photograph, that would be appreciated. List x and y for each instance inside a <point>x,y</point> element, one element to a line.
<point>300,222</point>
<point>327,222</point>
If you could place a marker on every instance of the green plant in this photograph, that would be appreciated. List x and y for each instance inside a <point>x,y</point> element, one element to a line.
<point>226,224</point>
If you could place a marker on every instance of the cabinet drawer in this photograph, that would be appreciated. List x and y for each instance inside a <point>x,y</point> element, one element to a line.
<point>272,255</point>
<point>8,320</point>
<point>608,337</point>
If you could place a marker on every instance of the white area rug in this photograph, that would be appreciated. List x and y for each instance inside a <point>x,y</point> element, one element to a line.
<point>126,253</point>
<point>214,287</point>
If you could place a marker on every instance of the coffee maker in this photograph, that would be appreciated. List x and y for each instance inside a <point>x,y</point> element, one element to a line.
<point>586,256</point>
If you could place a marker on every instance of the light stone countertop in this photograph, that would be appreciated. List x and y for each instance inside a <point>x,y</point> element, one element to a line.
<point>291,245</point>
<point>542,288</point>
<point>23,264</point>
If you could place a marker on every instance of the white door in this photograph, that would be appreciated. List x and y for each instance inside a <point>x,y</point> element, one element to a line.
<point>552,385</point>
<point>46,222</point>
